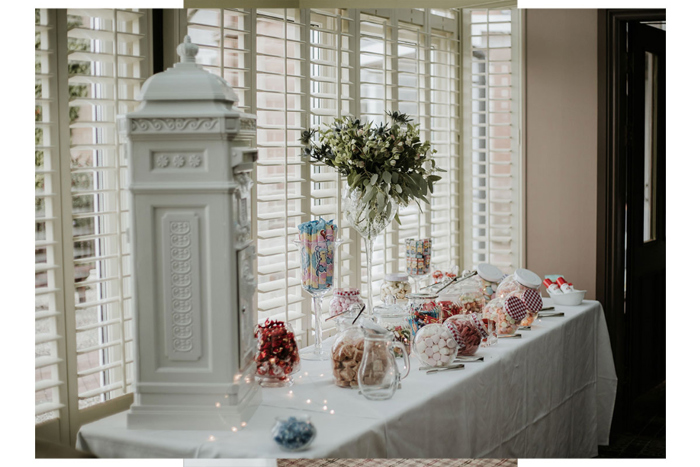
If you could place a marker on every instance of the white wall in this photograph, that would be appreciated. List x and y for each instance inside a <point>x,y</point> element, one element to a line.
<point>561,139</point>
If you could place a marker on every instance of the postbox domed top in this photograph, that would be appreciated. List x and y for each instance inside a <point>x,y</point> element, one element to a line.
<point>187,81</point>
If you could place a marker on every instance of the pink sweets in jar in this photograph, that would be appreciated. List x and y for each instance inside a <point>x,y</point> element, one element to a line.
<point>343,299</point>
<point>506,324</point>
<point>464,330</point>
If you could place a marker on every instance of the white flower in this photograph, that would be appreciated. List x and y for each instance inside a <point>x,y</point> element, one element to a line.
<point>392,162</point>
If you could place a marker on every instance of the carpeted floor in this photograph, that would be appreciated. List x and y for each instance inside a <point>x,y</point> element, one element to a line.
<point>397,462</point>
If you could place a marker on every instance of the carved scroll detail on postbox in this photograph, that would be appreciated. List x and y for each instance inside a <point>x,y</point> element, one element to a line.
<point>182,289</point>
<point>151,125</point>
<point>241,208</point>
<point>247,316</point>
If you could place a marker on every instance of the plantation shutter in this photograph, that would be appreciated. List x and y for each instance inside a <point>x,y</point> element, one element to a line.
<point>303,68</point>
<point>107,61</point>
<point>50,357</point>
<point>96,74</point>
<point>409,62</point>
<point>292,68</point>
<point>331,95</point>
<point>494,149</point>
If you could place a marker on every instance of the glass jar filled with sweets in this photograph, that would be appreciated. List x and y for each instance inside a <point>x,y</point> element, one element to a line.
<point>435,345</point>
<point>423,309</point>
<point>346,320</point>
<point>343,299</point>
<point>397,286</point>
<point>471,298</point>
<point>346,356</point>
<point>466,332</point>
<point>523,284</point>
<point>395,318</point>
<point>487,327</point>
<point>487,279</point>
<point>506,324</point>
<point>277,356</point>
<point>449,304</point>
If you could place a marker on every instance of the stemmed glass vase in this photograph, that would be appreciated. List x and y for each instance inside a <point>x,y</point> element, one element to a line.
<point>317,279</point>
<point>369,219</point>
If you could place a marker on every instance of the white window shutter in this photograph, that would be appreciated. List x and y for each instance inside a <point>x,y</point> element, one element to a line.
<point>50,359</point>
<point>101,62</point>
<point>493,146</point>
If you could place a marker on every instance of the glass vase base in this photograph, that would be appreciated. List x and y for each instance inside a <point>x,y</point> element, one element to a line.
<point>312,354</point>
<point>273,382</point>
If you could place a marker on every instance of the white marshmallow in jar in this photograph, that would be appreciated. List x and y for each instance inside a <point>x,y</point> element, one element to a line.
<point>343,299</point>
<point>395,285</point>
<point>435,345</point>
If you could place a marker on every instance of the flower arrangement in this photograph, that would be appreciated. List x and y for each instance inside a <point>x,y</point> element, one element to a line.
<point>387,164</point>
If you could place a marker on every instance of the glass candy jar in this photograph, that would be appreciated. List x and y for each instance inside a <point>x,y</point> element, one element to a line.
<point>519,281</point>
<point>395,285</point>
<point>487,327</point>
<point>533,304</point>
<point>465,331</point>
<point>449,304</point>
<point>423,310</point>
<point>471,298</point>
<point>435,345</point>
<point>487,279</point>
<point>395,319</point>
<point>343,299</point>
<point>293,433</point>
<point>277,356</point>
<point>525,285</point>
<point>345,321</point>
<point>495,310</point>
<point>346,356</point>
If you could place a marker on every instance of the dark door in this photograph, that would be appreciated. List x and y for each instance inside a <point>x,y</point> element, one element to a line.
<point>645,268</point>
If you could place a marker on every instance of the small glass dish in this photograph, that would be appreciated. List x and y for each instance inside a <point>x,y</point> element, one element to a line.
<point>294,433</point>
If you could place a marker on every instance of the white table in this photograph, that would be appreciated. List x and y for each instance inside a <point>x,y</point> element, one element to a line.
<point>549,394</point>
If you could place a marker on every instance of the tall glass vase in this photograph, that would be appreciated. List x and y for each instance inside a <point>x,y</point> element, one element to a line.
<point>369,221</point>
<point>317,279</point>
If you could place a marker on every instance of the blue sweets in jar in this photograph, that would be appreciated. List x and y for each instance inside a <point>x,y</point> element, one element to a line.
<point>294,433</point>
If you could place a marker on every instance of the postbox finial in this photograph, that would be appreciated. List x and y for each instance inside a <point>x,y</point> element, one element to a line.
<point>187,50</point>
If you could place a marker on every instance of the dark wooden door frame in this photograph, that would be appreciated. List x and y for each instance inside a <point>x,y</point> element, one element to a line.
<point>612,189</point>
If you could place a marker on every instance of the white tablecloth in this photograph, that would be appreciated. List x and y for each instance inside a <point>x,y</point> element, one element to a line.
<point>549,394</point>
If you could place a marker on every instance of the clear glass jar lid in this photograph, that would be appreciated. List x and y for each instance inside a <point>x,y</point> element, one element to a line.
<point>527,278</point>
<point>489,272</point>
<point>396,277</point>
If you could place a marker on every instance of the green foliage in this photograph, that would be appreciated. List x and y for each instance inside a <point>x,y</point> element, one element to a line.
<point>387,162</point>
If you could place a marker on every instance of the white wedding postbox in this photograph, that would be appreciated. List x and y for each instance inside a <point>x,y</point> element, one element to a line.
<point>190,161</point>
